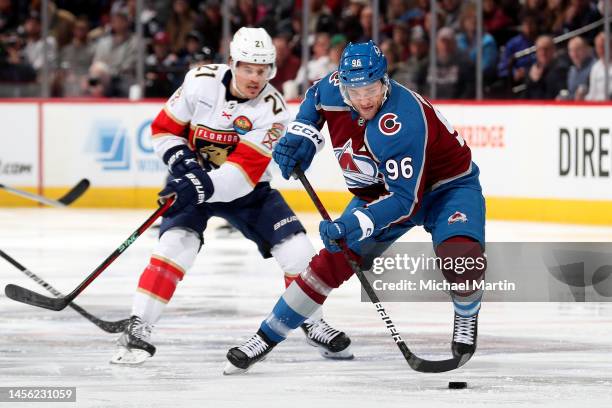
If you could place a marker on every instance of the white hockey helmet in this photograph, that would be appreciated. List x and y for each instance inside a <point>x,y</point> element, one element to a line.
<point>255,46</point>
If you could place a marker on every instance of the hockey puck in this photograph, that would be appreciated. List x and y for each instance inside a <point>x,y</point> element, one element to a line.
<point>457,385</point>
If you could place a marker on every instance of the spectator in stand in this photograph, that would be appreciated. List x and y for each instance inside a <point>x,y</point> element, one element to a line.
<point>415,16</point>
<point>14,67</point>
<point>320,14</point>
<point>349,21</point>
<point>365,20</point>
<point>547,77</point>
<point>209,24</point>
<point>466,42</point>
<point>75,60</point>
<point>163,74</point>
<point>578,76</point>
<point>181,22</point>
<point>397,9</point>
<point>247,13</point>
<point>452,10</point>
<point>413,72</point>
<point>497,22</point>
<point>391,51</point>
<point>580,13</point>
<point>9,19</point>
<point>33,50</point>
<point>61,24</point>
<point>318,66</point>
<point>455,77</point>
<point>337,44</point>
<point>554,17</point>
<point>516,69</point>
<point>118,50</point>
<point>401,38</point>
<point>597,77</point>
<point>98,81</point>
<point>287,64</point>
<point>204,57</point>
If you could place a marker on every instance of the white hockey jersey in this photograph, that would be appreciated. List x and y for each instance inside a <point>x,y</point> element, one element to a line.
<point>202,111</point>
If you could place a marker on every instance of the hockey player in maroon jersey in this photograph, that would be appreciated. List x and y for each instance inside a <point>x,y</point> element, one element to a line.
<point>406,166</point>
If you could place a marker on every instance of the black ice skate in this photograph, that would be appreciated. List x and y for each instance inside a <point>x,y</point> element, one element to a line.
<point>332,343</point>
<point>134,346</point>
<point>241,358</point>
<point>464,335</point>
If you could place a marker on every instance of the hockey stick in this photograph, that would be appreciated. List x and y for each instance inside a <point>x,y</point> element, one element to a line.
<point>24,295</point>
<point>415,362</point>
<point>109,327</point>
<point>67,199</point>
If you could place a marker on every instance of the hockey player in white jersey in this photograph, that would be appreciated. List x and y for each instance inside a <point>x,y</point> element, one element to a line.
<point>216,133</point>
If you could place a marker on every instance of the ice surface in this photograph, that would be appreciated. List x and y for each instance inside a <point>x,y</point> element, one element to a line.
<point>530,354</point>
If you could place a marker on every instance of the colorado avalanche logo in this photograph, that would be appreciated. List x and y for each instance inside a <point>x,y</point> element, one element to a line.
<point>358,168</point>
<point>457,217</point>
<point>334,79</point>
<point>388,124</point>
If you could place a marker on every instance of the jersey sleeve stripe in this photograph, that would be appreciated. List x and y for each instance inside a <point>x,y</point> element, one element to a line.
<point>257,148</point>
<point>166,123</point>
<point>250,161</point>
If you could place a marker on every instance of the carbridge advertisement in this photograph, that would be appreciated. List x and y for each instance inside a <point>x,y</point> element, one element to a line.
<point>19,145</point>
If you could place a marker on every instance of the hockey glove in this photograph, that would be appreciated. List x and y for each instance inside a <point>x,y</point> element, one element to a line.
<point>352,227</point>
<point>181,160</point>
<point>191,190</point>
<point>299,145</point>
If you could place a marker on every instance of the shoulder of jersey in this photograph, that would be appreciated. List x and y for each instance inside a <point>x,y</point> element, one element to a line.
<point>329,91</point>
<point>206,74</point>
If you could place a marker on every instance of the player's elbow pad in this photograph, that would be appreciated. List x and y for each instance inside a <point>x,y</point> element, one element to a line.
<point>308,131</point>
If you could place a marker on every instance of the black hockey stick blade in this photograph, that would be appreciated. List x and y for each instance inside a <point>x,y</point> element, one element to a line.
<point>23,295</point>
<point>109,327</point>
<point>76,192</point>
<point>415,362</point>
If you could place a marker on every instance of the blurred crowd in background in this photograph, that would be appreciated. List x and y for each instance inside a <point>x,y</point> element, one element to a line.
<point>92,48</point>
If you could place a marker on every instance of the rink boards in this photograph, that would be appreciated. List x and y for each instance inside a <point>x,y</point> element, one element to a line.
<point>539,162</point>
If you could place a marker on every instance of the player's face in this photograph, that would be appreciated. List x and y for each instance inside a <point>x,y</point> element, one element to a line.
<point>367,99</point>
<point>251,78</point>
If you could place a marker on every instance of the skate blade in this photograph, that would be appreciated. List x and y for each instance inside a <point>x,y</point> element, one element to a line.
<point>130,357</point>
<point>346,354</point>
<point>231,369</point>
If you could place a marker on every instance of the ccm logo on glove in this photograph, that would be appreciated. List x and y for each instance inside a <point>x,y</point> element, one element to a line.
<point>307,131</point>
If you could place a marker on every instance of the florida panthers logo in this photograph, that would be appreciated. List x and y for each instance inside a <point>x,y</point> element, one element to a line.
<point>358,168</point>
<point>388,124</point>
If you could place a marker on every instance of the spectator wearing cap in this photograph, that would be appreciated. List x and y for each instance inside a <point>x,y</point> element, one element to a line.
<point>337,43</point>
<point>454,71</point>
<point>75,60</point>
<point>14,68</point>
<point>204,56</point>
<point>162,71</point>
<point>413,72</point>
<point>181,22</point>
<point>547,77</point>
<point>118,50</point>
<point>466,42</point>
<point>287,63</point>
<point>582,61</point>
<point>33,50</point>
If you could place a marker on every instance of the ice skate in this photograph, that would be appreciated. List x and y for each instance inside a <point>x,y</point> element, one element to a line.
<point>464,335</point>
<point>331,343</point>
<point>241,358</point>
<point>134,346</point>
